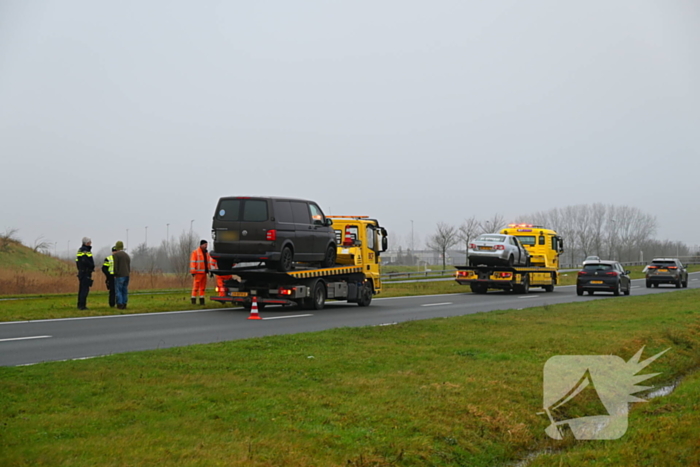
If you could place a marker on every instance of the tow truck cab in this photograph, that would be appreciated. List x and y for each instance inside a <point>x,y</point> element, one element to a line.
<point>544,245</point>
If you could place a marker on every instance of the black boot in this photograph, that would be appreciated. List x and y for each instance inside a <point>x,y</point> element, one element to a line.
<point>194,301</point>
<point>201,301</point>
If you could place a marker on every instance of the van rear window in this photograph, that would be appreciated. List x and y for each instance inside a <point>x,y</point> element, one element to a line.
<point>255,210</point>
<point>229,210</point>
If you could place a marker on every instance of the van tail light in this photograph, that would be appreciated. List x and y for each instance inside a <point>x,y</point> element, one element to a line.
<point>271,235</point>
<point>500,247</point>
<point>612,273</point>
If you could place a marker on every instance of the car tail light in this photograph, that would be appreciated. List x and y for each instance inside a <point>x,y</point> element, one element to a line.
<point>500,247</point>
<point>582,273</point>
<point>271,235</point>
<point>472,246</point>
<point>673,267</point>
<point>653,267</point>
<point>612,273</point>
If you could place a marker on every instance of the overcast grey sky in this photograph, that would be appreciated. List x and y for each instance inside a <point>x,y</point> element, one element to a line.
<point>117,115</point>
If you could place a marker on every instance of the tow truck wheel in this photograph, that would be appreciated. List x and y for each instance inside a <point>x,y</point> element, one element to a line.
<point>478,288</point>
<point>365,297</point>
<point>317,300</point>
<point>548,288</point>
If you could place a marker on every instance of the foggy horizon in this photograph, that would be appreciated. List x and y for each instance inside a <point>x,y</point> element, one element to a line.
<point>128,116</point>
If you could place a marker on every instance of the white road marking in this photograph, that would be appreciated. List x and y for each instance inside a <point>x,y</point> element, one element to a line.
<point>529,296</point>
<point>285,317</point>
<point>437,304</point>
<point>23,338</point>
<point>143,315</point>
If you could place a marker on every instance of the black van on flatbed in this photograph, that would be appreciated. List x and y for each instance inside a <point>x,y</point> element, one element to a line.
<point>277,231</point>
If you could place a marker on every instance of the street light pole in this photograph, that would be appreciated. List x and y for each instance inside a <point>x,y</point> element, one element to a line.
<point>127,239</point>
<point>167,233</point>
<point>145,243</point>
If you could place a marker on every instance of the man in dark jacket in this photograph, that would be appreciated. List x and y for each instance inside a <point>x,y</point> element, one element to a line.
<point>122,269</point>
<point>108,270</point>
<point>86,265</point>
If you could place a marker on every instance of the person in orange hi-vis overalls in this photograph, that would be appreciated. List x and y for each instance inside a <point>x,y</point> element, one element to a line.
<point>199,268</point>
<point>220,280</point>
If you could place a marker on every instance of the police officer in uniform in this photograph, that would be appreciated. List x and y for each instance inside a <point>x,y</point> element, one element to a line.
<point>86,266</point>
<point>108,270</point>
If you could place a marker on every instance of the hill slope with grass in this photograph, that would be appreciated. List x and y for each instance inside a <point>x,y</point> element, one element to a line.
<point>14,255</point>
<point>23,270</point>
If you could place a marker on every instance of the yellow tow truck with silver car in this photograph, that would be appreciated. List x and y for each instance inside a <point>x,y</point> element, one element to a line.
<point>543,245</point>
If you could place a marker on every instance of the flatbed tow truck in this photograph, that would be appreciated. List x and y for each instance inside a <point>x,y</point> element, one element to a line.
<point>355,277</point>
<point>544,247</point>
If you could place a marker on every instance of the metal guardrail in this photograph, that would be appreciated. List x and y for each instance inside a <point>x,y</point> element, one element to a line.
<point>451,272</point>
<point>418,274</point>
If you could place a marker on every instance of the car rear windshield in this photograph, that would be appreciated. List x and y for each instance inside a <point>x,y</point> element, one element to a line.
<point>663,263</point>
<point>254,210</point>
<point>229,210</point>
<point>491,238</point>
<point>597,267</point>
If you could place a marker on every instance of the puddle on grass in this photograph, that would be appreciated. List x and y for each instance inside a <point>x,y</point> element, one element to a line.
<point>660,392</point>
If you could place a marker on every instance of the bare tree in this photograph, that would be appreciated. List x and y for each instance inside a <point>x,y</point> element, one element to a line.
<point>42,246</point>
<point>7,238</point>
<point>444,238</point>
<point>179,253</point>
<point>466,232</point>
<point>494,224</point>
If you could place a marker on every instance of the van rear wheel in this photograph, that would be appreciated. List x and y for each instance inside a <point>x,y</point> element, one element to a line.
<point>286,260</point>
<point>329,259</point>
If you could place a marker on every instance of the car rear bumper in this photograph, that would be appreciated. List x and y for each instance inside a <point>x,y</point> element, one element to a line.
<point>489,257</point>
<point>605,285</point>
<point>662,279</point>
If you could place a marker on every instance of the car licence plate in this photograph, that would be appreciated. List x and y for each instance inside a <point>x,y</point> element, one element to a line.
<point>596,282</point>
<point>663,270</point>
<point>239,294</point>
<point>485,248</point>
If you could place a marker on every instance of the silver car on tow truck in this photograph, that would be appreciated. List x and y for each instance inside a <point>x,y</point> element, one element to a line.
<point>497,249</point>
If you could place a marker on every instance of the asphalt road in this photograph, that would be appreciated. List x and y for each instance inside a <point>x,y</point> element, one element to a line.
<point>30,342</point>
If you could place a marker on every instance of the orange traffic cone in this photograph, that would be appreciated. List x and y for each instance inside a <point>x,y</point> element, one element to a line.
<point>254,309</point>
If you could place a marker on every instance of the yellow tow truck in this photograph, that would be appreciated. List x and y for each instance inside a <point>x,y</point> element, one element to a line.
<point>544,246</point>
<point>354,278</point>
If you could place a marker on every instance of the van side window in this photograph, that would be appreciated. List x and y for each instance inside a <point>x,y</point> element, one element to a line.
<point>301,212</point>
<point>317,215</point>
<point>229,210</point>
<point>255,210</point>
<point>283,212</point>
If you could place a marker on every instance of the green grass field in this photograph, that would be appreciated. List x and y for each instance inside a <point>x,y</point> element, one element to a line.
<point>443,392</point>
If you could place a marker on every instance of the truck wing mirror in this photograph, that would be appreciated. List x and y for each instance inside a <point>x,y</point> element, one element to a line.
<point>329,222</point>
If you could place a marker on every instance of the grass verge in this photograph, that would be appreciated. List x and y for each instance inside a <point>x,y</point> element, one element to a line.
<point>458,391</point>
